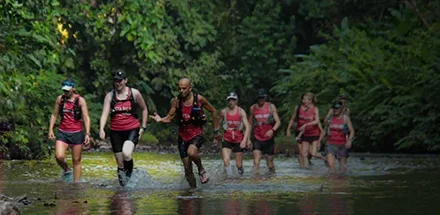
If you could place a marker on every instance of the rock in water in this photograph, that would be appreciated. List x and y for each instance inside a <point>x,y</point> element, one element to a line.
<point>9,208</point>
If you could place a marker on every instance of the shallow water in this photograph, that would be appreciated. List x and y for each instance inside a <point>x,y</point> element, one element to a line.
<point>375,184</point>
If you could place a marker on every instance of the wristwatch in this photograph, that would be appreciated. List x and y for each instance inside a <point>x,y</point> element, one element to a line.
<point>144,128</point>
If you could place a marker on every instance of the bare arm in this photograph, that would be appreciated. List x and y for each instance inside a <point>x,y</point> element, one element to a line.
<point>85,114</point>
<point>251,116</point>
<point>208,106</point>
<point>275,117</point>
<point>292,119</point>
<point>141,102</point>
<point>247,126</point>
<point>350,128</point>
<point>105,111</point>
<point>330,111</point>
<point>171,113</point>
<point>53,117</point>
<point>222,118</point>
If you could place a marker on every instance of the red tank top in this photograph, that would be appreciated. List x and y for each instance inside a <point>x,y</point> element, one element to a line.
<point>123,121</point>
<point>68,122</point>
<point>232,133</point>
<point>262,115</point>
<point>189,131</point>
<point>336,135</point>
<point>306,116</point>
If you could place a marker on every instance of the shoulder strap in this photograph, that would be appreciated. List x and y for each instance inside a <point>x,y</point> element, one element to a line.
<point>298,108</point>
<point>195,100</point>
<point>113,102</point>
<point>133,101</point>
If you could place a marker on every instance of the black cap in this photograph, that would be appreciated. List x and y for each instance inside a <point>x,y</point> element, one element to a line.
<point>261,93</point>
<point>119,74</point>
<point>337,104</point>
<point>342,96</point>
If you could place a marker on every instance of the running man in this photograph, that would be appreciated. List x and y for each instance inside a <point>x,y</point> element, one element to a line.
<point>122,104</point>
<point>187,108</point>
<point>264,120</point>
<point>338,127</point>
<point>234,120</point>
<point>74,114</point>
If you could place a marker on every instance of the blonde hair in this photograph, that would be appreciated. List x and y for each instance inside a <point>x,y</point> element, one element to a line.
<point>311,96</point>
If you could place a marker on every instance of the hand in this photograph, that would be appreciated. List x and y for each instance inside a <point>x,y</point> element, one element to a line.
<point>156,117</point>
<point>217,139</point>
<point>51,135</point>
<point>249,144</point>
<point>243,144</point>
<point>288,134</point>
<point>269,133</point>
<point>141,131</point>
<point>348,145</point>
<point>102,134</point>
<point>87,140</point>
<point>303,128</point>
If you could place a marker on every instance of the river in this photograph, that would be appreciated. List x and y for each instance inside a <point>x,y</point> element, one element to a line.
<point>375,184</point>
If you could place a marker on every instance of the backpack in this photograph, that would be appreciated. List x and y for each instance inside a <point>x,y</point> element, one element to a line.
<point>133,110</point>
<point>225,122</point>
<point>329,121</point>
<point>197,116</point>
<point>77,113</point>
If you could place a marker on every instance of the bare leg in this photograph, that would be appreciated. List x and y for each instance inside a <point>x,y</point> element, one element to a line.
<point>76,160</point>
<point>305,153</point>
<point>300,157</point>
<point>60,154</point>
<point>194,155</point>
<point>343,165</point>
<point>189,175</point>
<point>269,162</point>
<point>127,156</point>
<point>313,150</point>
<point>257,157</point>
<point>331,163</point>
<point>226,155</point>
<point>239,162</point>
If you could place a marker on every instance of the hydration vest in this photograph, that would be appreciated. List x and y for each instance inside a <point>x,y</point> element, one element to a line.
<point>225,121</point>
<point>132,111</point>
<point>197,115</point>
<point>329,122</point>
<point>77,113</point>
<point>270,120</point>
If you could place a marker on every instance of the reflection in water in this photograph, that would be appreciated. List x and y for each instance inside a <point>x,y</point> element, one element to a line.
<point>262,207</point>
<point>189,204</point>
<point>66,200</point>
<point>121,204</point>
<point>335,200</point>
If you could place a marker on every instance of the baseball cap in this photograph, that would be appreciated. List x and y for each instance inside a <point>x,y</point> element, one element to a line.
<point>232,95</point>
<point>261,93</point>
<point>67,85</point>
<point>119,74</point>
<point>337,104</point>
<point>342,96</point>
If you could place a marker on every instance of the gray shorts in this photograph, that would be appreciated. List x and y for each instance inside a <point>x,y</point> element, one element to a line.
<point>74,138</point>
<point>339,151</point>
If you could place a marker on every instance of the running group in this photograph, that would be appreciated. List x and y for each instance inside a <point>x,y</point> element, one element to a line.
<point>235,129</point>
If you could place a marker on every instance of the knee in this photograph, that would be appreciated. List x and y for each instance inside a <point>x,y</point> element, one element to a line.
<point>226,161</point>
<point>60,157</point>
<point>192,153</point>
<point>304,153</point>
<point>76,160</point>
<point>126,155</point>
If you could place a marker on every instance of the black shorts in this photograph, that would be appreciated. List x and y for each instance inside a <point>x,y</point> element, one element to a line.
<point>117,138</point>
<point>234,146</point>
<point>266,147</point>
<point>309,139</point>
<point>74,138</point>
<point>183,146</point>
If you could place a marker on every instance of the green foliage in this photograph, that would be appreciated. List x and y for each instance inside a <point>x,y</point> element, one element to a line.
<point>389,76</point>
<point>384,56</point>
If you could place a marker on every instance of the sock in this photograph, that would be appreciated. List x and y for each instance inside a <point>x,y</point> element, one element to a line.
<point>128,166</point>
